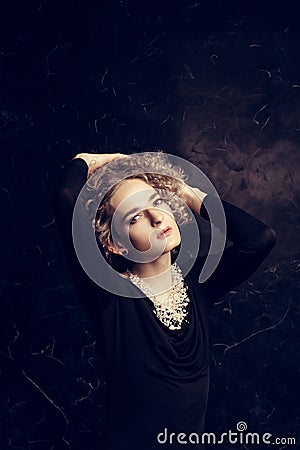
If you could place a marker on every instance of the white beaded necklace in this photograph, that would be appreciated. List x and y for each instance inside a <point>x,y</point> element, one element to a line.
<point>171,312</point>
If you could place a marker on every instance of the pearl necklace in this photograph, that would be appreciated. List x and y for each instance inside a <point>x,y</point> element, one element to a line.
<point>171,312</point>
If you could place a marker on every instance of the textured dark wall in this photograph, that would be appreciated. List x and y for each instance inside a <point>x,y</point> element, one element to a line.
<point>215,82</point>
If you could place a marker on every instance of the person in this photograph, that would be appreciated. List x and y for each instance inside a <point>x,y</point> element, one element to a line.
<point>155,344</point>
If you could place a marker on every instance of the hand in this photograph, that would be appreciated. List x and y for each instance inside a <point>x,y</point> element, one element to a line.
<point>193,197</point>
<point>97,160</point>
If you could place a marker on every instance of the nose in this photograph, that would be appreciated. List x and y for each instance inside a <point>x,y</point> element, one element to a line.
<point>156,215</point>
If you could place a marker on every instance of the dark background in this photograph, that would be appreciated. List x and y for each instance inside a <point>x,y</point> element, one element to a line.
<point>216,82</point>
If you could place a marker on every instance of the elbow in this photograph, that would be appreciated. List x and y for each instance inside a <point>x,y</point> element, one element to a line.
<point>271,236</point>
<point>267,239</point>
<point>261,242</point>
<point>63,195</point>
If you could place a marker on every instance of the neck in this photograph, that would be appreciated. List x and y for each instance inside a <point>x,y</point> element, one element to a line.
<point>157,274</point>
<point>153,268</point>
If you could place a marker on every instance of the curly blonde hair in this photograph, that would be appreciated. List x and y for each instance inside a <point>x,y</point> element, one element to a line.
<point>152,167</point>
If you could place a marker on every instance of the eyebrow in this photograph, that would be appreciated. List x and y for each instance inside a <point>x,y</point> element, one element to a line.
<point>132,211</point>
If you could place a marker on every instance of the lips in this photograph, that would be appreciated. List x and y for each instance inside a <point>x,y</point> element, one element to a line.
<point>165,232</point>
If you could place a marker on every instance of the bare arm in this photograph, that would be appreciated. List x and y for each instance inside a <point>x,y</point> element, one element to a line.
<point>193,197</point>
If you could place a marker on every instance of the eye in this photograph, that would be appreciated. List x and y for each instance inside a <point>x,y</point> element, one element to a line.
<point>134,219</point>
<point>158,201</point>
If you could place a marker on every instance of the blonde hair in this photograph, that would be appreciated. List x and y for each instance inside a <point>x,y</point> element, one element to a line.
<point>105,181</point>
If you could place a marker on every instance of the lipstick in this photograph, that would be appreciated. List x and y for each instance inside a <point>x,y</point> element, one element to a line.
<point>165,232</point>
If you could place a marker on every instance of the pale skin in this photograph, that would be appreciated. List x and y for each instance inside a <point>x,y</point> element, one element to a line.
<point>151,216</point>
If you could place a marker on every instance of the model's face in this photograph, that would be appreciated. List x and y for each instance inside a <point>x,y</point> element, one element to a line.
<point>139,212</point>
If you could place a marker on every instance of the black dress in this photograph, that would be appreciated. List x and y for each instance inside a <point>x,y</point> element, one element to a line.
<point>158,379</point>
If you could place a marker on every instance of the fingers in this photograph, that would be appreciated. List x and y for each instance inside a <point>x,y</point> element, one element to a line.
<point>98,160</point>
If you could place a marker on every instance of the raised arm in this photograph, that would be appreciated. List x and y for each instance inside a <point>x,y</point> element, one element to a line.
<point>71,180</point>
<point>252,241</point>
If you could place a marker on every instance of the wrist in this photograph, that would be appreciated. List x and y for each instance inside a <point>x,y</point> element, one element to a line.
<point>90,159</point>
<point>84,156</point>
<point>194,197</point>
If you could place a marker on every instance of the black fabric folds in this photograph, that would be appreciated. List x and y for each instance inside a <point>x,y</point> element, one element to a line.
<point>158,379</point>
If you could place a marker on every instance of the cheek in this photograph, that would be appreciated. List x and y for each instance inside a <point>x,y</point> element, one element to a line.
<point>139,236</point>
<point>177,236</point>
<point>175,227</point>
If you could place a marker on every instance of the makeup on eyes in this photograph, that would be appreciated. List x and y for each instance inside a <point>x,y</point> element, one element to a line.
<point>139,209</point>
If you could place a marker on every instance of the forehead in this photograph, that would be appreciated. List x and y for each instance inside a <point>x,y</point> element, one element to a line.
<point>130,192</point>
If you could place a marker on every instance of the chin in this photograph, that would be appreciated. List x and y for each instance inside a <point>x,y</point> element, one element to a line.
<point>173,245</point>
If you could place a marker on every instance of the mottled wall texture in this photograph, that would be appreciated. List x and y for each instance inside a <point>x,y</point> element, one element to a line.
<point>215,82</point>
